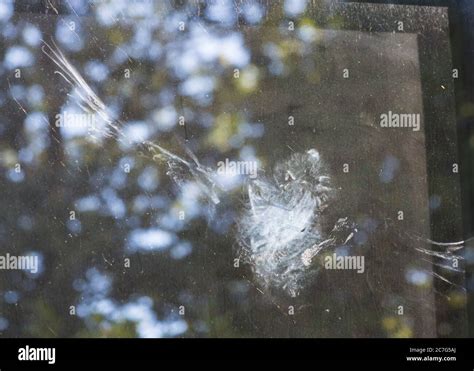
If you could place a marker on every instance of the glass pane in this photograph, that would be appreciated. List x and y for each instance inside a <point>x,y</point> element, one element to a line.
<point>229,169</point>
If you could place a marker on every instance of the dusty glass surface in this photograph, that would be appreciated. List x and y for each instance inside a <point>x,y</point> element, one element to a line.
<point>229,169</point>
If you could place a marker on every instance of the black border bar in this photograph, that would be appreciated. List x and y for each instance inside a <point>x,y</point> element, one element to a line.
<point>117,351</point>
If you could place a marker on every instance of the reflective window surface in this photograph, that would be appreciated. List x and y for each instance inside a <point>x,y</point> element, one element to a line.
<point>232,169</point>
